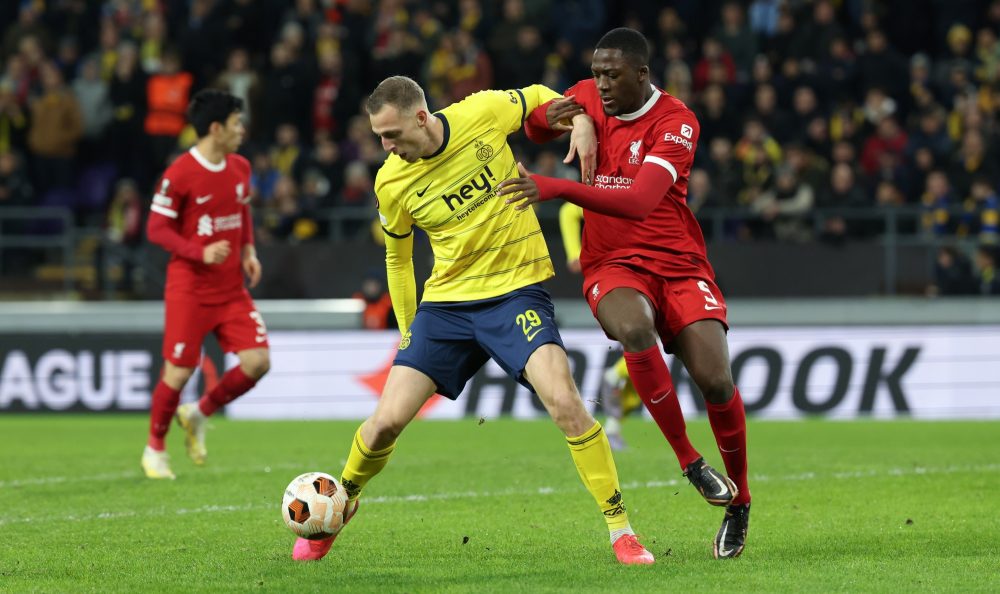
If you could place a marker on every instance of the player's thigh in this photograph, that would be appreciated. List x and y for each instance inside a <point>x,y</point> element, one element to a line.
<point>547,372</point>
<point>185,325</point>
<point>622,301</point>
<point>698,323</point>
<point>441,345</point>
<point>628,316</point>
<point>240,327</point>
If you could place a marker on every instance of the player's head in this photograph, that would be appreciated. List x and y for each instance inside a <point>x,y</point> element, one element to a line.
<point>621,70</point>
<point>398,113</point>
<point>217,114</point>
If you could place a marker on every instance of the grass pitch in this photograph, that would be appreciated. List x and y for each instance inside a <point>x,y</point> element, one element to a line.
<point>497,507</point>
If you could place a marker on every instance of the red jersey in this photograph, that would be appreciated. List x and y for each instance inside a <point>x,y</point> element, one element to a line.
<point>198,203</point>
<point>664,133</point>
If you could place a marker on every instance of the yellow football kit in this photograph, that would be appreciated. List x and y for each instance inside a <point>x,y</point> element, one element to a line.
<point>482,247</point>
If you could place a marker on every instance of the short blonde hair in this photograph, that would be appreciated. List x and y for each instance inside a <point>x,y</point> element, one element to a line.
<point>401,92</point>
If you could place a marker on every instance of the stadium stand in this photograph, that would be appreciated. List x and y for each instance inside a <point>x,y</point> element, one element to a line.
<point>852,130</point>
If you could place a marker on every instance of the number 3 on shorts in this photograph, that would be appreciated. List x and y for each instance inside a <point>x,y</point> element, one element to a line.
<point>529,321</point>
<point>261,328</point>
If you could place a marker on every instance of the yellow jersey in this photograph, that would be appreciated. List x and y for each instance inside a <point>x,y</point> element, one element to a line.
<point>482,247</point>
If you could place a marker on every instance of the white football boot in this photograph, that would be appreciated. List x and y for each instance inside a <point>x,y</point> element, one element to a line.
<point>191,419</point>
<point>156,464</point>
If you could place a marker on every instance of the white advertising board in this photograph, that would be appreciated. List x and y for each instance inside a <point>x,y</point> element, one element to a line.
<point>932,372</point>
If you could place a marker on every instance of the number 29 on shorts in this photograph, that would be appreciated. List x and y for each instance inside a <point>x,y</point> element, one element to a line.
<point>529,322</point>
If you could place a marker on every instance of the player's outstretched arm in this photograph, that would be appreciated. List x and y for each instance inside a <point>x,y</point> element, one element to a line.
<point>401,280</point>
<point>635,202</point>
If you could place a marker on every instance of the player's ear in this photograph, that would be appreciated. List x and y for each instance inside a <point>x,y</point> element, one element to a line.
<point>643,73</point>
<point>422,117</point>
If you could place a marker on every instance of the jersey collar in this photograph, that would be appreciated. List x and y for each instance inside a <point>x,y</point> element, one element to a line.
<point>200,158</point>
<point>628,117</point>
<point>447,136</point>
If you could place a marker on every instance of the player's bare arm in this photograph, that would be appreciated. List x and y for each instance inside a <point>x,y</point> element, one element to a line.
<point>552,119</point>
<point>583,144</point>
<point>251,265</point>
<point>523,190</point>
<point>560,113</point>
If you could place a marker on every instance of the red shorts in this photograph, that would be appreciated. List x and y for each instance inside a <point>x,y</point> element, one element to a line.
<point>679,302</point>
<point>237,326</point>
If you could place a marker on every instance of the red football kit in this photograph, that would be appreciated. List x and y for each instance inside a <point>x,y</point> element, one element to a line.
<point>639,233</point>
<point>198,203</point>
<point>646,238</point>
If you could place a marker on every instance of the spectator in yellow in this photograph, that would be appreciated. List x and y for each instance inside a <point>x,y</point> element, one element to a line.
<point>56,127</point>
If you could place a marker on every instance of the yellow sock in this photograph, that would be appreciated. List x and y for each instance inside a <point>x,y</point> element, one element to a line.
<point>592,456</point>
<point>362,465</point>
<point>621,369</point>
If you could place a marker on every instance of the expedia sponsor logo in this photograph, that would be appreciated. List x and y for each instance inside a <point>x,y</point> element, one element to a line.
<point>480,186</point>
<point>684,142</point>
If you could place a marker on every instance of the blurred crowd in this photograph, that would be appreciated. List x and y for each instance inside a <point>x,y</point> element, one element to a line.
<point>818,116</point>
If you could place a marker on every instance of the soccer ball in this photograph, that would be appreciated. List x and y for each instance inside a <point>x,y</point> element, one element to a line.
<point>313,505</point>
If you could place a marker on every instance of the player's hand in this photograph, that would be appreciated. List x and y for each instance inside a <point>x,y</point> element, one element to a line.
<point>574,266</point>
<point>583,143</point>
<point>216,253</point>
<point>560,113</point>
<point>252,268</point>
<point>521,190</point>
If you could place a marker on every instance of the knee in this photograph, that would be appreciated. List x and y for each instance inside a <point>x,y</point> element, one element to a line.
<point>176,377</point>
<point>637,337</point>
<point>256,365</point>
<point>382,431</point>
<point>717,388</point>
<point>568,413</point>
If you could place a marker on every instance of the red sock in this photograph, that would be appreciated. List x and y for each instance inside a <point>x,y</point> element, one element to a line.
<point>162,411</point>
<point>651,379</point>
<point>233,384</point>
<point>729,423</point>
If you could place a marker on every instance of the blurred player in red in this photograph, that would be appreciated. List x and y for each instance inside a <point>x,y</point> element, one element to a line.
<point>646,274</point>
<point>200,214</point>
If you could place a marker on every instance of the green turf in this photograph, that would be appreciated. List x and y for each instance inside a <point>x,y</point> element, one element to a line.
<point>838,506</point>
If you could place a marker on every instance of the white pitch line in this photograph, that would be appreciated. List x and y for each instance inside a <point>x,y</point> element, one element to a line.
<point>133,474</point>
<point>540,491</point>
